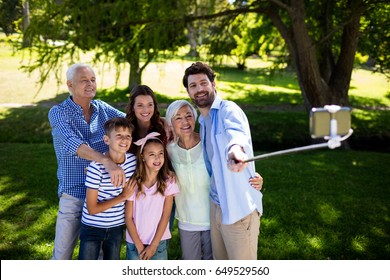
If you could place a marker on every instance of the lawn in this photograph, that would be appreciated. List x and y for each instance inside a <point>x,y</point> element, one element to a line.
<point>322,204</point>
<point>325,204</point>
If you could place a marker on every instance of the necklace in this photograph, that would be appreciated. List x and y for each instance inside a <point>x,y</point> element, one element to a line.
<point>193,143</point>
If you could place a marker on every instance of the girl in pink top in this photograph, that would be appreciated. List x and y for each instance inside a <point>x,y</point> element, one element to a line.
<point>148,210</point>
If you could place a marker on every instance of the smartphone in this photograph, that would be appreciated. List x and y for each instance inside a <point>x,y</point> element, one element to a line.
<point>320,121</point>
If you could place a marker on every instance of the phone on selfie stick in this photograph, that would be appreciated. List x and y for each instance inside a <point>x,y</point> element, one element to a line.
<point>331,122</point>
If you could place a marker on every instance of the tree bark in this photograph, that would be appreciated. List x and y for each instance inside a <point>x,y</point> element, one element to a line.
<point>326,59</point>
<point>312,85</point>
<point>26,23</point>
<point>303,53</point>
<point>135,70</point>
<point>328,84</point>
<point>133,58</point>
<point>192,40</point>
<point>341,76</point>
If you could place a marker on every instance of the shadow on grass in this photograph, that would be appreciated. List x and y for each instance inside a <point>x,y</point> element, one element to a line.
<point>258,97</point>
<point>325,205</point>
<point>28,195</point>
<point>365,102</point>
<point>258,76</point>
<point>317,205</point>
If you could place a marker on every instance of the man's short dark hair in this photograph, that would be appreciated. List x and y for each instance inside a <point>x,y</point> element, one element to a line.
<point>198,68</point>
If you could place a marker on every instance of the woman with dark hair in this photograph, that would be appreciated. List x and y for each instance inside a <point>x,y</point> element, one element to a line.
<point>143,113</point>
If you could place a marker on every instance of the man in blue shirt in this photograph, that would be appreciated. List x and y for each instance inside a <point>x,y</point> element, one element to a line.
<point>236,206</point>
<point>77,130</point>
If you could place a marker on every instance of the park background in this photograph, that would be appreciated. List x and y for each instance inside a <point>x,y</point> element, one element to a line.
<point>322,204</point>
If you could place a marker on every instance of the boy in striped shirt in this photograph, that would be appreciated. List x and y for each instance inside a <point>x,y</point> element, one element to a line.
<point>103,216</point>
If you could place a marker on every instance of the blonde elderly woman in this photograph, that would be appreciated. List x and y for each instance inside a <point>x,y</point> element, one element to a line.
<point>193,202</point>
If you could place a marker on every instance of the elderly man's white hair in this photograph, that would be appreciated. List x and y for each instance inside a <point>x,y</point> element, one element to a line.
<point>73,68</point>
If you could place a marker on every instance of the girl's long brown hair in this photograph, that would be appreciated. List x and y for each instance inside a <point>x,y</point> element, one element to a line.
<point>140,172</point>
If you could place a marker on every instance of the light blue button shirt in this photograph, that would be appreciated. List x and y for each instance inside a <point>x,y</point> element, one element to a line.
<point>230,126</point>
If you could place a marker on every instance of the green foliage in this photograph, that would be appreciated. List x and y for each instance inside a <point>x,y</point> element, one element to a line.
<point>277,130</point>
<point>246,35</point>
<point>370,129</point>
<point>120,97</point>
<point>273,127</point>
<point>120,32</point>
<point>375,39</point>
<point>115,31</point>
<point>10,12</point>
<point>360,59</point>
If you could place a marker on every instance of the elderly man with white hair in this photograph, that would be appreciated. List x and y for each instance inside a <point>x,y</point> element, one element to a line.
<point>77,130</point>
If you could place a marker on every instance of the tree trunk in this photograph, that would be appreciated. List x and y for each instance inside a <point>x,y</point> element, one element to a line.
<point>303,54</point>
<point>192,40</point>
<point>331,85</point>
<point>26,23</point>
<point>325,59</point>
<point>314,88</point>
<point>341,76</point>
<point>135,70</point>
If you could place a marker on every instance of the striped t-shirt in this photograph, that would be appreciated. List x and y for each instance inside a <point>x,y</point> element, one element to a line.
<point>99,179</point>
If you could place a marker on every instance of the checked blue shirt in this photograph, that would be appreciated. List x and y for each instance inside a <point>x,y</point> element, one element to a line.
<point>69,131</point>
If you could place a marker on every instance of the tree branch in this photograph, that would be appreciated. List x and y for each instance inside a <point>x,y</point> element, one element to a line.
<point>359,10</point>
<point>281,4</point>
<point>190,18</point>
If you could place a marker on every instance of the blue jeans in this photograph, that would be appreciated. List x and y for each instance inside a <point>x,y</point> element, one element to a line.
<point>161,251</point>
<point>94,238</point>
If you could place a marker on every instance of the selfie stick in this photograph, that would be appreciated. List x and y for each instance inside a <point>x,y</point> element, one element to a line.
<point>334,140</point>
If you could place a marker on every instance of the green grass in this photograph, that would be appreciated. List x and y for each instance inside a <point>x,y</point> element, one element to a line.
<point>28,201</point>
<point>365,84</point>
<point>25,125</point>
<point>317,205</point>
<point>326,205</point>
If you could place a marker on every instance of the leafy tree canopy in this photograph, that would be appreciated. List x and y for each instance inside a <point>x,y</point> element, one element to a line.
<point>118,30</point>
<point>321,36</point>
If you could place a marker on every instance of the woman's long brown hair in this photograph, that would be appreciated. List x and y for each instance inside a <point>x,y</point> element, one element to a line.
<point>156,123</point>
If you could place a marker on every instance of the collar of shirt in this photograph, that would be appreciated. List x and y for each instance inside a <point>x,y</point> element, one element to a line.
<point>73,105</point>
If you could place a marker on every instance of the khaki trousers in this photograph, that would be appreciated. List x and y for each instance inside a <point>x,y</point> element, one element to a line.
<point>237,241</point>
